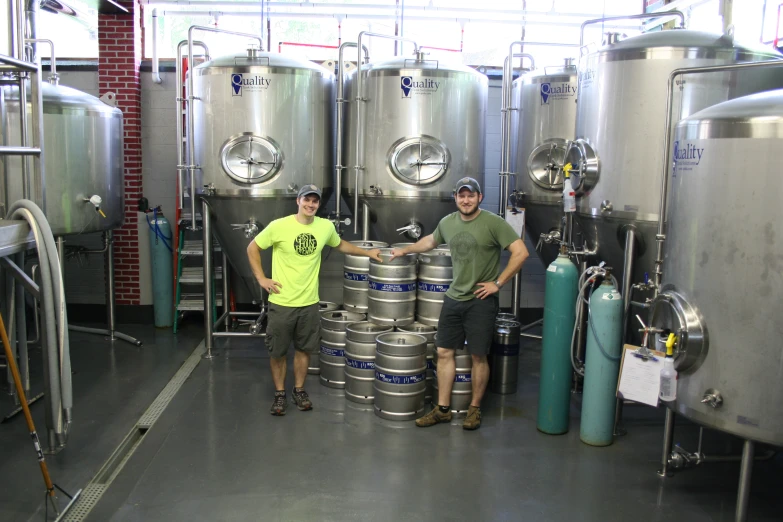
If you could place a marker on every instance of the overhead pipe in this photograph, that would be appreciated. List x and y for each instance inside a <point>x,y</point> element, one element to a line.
<point>155,59</point>
<point>359,127</point>
<point>678,14</point>
<point>298,44</point>
<point>191,123</point>
<point>180,100</point>
<point>54,78</point>
<point>338,167</point>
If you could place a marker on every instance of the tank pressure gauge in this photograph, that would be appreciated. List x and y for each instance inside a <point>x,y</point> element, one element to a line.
<point>419,161</point>
<point>250,159</point>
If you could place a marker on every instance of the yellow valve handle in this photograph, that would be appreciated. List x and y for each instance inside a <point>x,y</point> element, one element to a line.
<point>101,213</point>
<point>670,343</point>
<point>567,170</point>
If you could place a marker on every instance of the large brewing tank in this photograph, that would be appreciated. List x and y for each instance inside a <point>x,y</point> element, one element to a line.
<point>422,129</point>
<point>263,129</point>
<point>540,127</point>
<point>722,267</point>
<point>619,128</point>
<point>82,157</point>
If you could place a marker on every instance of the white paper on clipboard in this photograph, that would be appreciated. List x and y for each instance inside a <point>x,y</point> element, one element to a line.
<point>640,379</point>
<point>516,218</point>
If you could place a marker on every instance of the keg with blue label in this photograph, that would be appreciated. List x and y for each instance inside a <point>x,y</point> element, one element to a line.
<point>314,366</point>
<point>400,375</point>
<point>435,276</point>
<point>462,389</point>
<point>504,365</point>
<point>428,332</point>
<point>332,361</point>
<point>356,279</point>
<point>360,360</point>
<point>392,289</point>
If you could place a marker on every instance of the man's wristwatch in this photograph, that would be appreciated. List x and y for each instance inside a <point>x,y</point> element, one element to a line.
<point>497,283</point>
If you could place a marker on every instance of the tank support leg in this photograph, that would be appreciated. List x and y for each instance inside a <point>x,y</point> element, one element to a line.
<point>206,237</point>
<point>668,439</point>
<point>628,262</point>
<point>743,493</point>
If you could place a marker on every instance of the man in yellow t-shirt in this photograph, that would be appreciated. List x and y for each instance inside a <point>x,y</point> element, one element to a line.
<point>296,242</point>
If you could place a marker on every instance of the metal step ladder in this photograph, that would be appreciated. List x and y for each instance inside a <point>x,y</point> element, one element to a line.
<point>190,275</point>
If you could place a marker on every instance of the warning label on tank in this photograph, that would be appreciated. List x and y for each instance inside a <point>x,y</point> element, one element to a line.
<point>411,86</point>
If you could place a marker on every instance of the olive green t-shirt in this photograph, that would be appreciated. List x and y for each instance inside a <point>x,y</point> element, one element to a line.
<point>475,248</point>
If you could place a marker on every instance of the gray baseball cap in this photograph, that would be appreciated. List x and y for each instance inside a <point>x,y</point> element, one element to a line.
<point>309,189</point>
<point>468,183</point>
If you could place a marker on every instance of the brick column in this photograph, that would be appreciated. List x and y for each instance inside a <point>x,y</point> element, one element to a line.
<point>119,58</point>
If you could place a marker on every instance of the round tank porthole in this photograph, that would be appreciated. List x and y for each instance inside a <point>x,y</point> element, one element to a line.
<point>545,164</point>
<point>419,161</point>
<point>250,159</point>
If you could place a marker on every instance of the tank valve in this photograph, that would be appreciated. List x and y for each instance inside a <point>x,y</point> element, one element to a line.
<point>713,398</point>
<point>293,187</point>
<point>413,230</point>
<point>250,229</point>
<point>209,190</point>
<point>95,200</point>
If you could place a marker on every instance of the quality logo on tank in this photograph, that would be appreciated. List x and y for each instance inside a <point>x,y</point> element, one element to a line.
<point>241,83</point>
<point>586,78</point>
<point>420,86</point>
<point>686,156</point>
<point>556,91</point>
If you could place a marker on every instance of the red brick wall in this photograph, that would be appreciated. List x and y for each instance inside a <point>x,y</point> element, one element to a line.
<point>119,39</point>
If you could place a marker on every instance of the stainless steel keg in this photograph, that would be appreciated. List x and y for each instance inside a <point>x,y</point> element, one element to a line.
<point>333,326</point>
<point>314,366</point>
<point>355,277</point>
<point>400,375</point>
<point>360,360</point>
<point>435,276</point>
<point>462,389</point>
<point>392,289</point>
<point>428,332</point>
<point>504,366</point>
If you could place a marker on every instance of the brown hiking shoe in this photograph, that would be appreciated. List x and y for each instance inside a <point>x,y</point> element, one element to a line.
<point>432,418</point>
<point>473,419</point>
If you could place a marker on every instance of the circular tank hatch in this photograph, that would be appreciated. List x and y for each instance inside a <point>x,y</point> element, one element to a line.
<point>250,159</point>
<point>419,161</point>
<point>545,164</point>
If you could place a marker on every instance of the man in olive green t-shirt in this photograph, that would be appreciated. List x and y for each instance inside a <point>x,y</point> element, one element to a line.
<point>476,239</point>
<point>296,242</point>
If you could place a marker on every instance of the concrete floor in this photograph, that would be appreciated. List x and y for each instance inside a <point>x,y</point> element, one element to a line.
<point>217,454</point>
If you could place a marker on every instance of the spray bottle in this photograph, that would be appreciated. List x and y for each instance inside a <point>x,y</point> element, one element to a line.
<point>569,197</point>
<point>668,373</point>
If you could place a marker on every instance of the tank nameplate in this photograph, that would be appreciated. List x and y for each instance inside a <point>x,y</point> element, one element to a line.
<point>553,92</point>
<point>242,83</point>
<point>411,86</point>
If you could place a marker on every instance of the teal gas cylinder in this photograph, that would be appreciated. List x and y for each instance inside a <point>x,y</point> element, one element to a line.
<point>161,255</point>
<point>554,390</point>
<point>602,365</point>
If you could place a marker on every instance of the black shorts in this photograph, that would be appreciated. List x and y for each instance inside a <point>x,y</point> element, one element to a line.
<point>302,325</point>
<point>472,320</point>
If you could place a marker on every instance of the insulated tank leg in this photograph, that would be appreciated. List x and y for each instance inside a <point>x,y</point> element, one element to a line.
<point>744,482</point>
<point>628,263</point>
<point>206,238</point>
<point>365,222</point>
<point>604,345</point>
<point>554,394</point>
<point>668,440</point>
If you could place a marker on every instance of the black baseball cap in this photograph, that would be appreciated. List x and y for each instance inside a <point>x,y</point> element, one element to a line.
<point>309,189</point>
<point>468,183</point>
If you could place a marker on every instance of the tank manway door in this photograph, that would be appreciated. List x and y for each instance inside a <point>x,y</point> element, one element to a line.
<point>419,161</point>
<point>586,169</point>
<point>671,313</point>
<point>545,164</point>
<point>251,159</point>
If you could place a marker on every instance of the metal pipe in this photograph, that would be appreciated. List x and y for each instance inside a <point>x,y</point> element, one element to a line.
<point>99,331</point>
<point>516,297</point>
<point>365,222</point>
<point>668,438</point>
<point>191,107</point>
<point>226,285</point>
<point>234,334</point>
<point>109,264</point>
<point>530,336</point>
<point>628,17</point>
<point>19,151</point>
<point>359,127</point>
<point>54,78</point>
<point>18,22</point>
<point>206,238</point>
<point>660,237</point>
<point>181,167</point>
<point>743,493</point>
<point>726,8</point>
<point>338,168</point>
<point>628,266</point>
<point>581,333</point>
<point>299,44</point>
<point>21,327</point>
<point>155,59</point>
<point>19,64</point>
<point>531,325</point>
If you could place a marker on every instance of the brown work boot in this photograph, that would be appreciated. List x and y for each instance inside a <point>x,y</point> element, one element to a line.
<point>473,419</point>
<point>434,417</point>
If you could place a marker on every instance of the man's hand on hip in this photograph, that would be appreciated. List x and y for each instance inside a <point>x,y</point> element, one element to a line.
<point>270,285</point>
<point>486,289</point>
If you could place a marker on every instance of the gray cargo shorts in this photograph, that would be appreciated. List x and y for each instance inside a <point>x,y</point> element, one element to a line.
<point>302,325</point>
<point>472,320</point>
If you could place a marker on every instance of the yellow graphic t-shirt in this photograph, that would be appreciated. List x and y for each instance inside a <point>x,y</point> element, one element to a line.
<point>296,257</point>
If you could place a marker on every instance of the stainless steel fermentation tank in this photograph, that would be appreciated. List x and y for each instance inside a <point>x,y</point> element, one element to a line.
<point>84,157</point>
<point>421,128</point>
<point>617,156</point>
<point>545,100</point>
<point>263,129</point>
<point>723,258</point>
